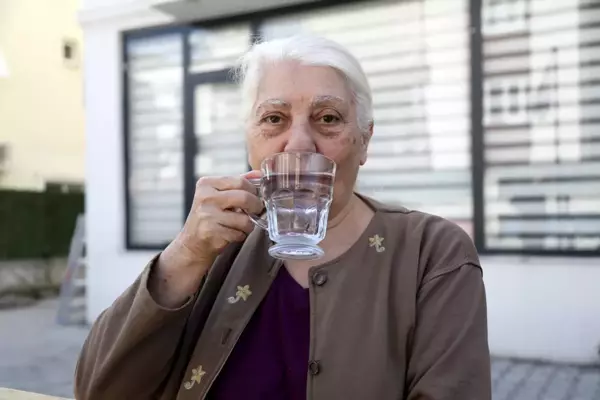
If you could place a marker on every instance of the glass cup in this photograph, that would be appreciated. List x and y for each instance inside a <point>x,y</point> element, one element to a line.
<point>297,189</point>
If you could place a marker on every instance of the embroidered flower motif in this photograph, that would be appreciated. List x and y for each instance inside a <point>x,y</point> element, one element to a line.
<point>197,374</point>
<point>243,292</point>
<point>377,242</point>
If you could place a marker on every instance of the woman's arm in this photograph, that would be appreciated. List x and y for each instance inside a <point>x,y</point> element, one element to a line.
<point>450,358</point>
<point>449,355</point>
<point>131,347</point>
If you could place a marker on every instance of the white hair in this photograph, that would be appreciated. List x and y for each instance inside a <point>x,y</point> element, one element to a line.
<point>311,51</point>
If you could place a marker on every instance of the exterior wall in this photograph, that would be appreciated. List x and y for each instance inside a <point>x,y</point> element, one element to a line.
<point>541,308</point>
<point>544,308</point>
<point>41,100</point>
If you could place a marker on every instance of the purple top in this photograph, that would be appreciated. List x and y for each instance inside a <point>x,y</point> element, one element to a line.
<point>270,360</point>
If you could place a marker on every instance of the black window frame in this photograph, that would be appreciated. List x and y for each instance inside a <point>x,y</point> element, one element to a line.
<point>255,20</point>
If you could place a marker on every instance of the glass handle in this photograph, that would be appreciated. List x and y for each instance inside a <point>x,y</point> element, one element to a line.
<point>258,221</point>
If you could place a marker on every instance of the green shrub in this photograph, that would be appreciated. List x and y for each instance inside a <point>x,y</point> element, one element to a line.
<point>37,224</point>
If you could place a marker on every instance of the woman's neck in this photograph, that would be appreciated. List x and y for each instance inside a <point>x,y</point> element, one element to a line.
<point>342,215</point>
<point>348,224</point>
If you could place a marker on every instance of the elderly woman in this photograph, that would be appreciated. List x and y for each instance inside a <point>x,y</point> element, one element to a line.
<point>395,309</point>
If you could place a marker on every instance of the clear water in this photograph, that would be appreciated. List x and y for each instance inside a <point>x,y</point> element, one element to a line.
<point>298,206</point>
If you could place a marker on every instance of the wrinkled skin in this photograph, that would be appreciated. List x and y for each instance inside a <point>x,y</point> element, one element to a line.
<point>305,108</point>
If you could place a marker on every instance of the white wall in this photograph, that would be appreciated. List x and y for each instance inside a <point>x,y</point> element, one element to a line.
<point>540,308</point>
<point>544,308</point>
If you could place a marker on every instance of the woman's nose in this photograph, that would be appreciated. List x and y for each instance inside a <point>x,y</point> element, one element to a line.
<point>300,139</point>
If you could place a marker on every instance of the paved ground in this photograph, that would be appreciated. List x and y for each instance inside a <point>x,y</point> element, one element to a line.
<point>36,354</point>
<point>39,356</point>
<point>514,380</point>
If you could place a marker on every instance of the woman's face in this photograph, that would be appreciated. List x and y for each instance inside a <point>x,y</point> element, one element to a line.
<point>304,108</point>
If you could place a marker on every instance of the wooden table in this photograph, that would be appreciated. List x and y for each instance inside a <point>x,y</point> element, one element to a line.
<point>11,394</point>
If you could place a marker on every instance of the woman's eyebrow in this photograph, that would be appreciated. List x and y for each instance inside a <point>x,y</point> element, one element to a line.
<point>272,102</point>
<point>327,100</point>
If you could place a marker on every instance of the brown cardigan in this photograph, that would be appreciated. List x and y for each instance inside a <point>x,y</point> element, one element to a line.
<point>406,320</point>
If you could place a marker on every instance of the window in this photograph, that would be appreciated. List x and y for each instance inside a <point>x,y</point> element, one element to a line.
<point>218,130</point>
<point>169,149</point>
<point>216,105</point>
<point>542,132</point>
<point>3,154</point>
<point>505,16</point>
<point>154,139</point>
<point>70,53</point>
<point>217,49</point>
<point>68,50</point>
<point>538,189</point>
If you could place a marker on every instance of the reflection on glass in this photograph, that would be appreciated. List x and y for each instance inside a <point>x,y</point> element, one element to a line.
<point>218,49</point>
<point>155,138</point>
<point>219,130</point>
<point>542,176</point>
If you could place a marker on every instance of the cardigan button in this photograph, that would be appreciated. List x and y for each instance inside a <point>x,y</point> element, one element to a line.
<point>314,367</point>
<point>319,278</point>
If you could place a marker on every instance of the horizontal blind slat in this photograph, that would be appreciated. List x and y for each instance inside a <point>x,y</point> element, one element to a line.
<point>218,48</point>
<point>155,123</point>
<point>542,145</point>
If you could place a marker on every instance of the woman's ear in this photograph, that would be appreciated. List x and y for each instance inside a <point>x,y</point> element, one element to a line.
<point>365,139</point>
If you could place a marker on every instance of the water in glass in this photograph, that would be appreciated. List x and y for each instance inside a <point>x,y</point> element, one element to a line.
<point>297,208</point>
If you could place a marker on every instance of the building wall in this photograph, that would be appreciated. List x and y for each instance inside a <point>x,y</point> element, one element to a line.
<point>41,101</point>
<point>538,307</point>
<point>544,308</point>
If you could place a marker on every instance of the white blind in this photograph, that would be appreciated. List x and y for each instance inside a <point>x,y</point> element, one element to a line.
<point>155,96</point>
<point>217,48</point>
<point>416,56</point>
<point>221,148</point>
<point>219,131</point>
<point>542,124</point>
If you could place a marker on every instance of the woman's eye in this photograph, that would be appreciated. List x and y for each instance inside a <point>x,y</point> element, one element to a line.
<point>329,119</point>
<point>273,119</point>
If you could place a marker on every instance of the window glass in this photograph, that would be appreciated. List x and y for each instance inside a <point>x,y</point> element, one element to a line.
<point>155,139</point>
<point>542,126</point>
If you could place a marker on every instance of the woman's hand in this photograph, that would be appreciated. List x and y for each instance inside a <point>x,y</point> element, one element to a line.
<point>213,222</point>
